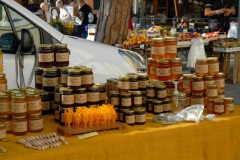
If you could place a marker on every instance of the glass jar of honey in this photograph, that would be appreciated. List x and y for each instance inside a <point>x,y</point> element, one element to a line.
<point>151,65</point>
<point>133,83</point>
<point>176,69</point>
<point>144,97</point>
<point>129,117</point>
<point>197,98</point>
<point>35,122</point>
<point>149,105</point>
<point>64,76</point>
<point>87,77</point>
<point>136,99</point>
<point>212,91</point>
<point>46,56</point>
<point>7,119</point>
<point>180,85</point>
<point>66,97</point>
<point>171,47</point>
<point>213,66</point>
<point>219,80</point>
<point>46,103</point>
<point>166,105</point>
<point>19,105</point>
<point>57,94</point>
<point>125,100</point>
<point>93,95</point>
<point>169,88</point>
<point>61,55</point>
<point>158,48</point>
<point>80,97</point>
<point>50,79</point>
<point>5,107</point>
<point>140,116</point>
<point>157,107</point>
<point>115,84</point>
<point>210,106</point>
<point>161,92</point>
<point>34,103</point>
<point>143,82</point>
<point>19,125</point>
<point>218,106</point>
<point>74,78</point>
<point>115,99</point>
<point>208,80</point>
<point>221,94</point>
<point>3,82</point>
<point>229,105</point>
<point>121,114</point>
<point>38,78</point>
<point>56,113</point>
<point>151,91</point>
<point>163,70</point>
<point>123,84</point>
<point>187,82</point>
<point>201,67</point>
<point>197,85</point>
<point>102,93</point>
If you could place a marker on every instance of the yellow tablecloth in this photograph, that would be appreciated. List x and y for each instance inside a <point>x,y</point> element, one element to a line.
<point>208,140</point>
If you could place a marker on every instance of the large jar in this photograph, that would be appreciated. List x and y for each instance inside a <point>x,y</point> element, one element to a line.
<point>143,82</point>
<point>125,100</point>
<point>213,66</point>
<point>46,103</point>
<point>19,125</point>
<point>228,105</point>
<point>221,94</point>
<point>163,70</point>
<point>140,116</point>
<point>19,105</point>
<point>123,84</point>
<point>176,69</point>
<point>219,80</point>
<point>197,85</point>
<point>87,77</point>
<point>35,122</point>
<point>80,97</point>
<point>50,79</point>
<point>38,78</point>
<point>161,92</point>
<point>3,82</point>
<point>158,48</point>
<point>197,98</point>
<point>151,65</point>
<point>74,78</point>
<point>46,56</point>
<point>212,91</point>
<point>218,106</point>
<point>93,95</point>
<point>34,103</point>
<point>133,83</point>
<point>61,55</point>
<point>136,99</point>
<point>151,93</point>
<point>208,80</point>
<point>129,117</point>
<point>115,99</point>
<point>66,97</point>
<point>201,67</point>
<point>187,82</point>
<point>5,107</point>
<point>169,88</point>
<point>171,47</point>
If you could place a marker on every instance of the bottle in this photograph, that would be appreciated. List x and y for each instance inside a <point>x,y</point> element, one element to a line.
<point>50,79</point>
<point>158,48</point>
<point>136,99</point>
<point>5,106</point>
<point>218,106</point>
<point>219,80</point>
<point>143,82</point>
<point>228,105</point>
<point>93,95</point>
<point>46,103</point>
<point>66,98</point>
<point>35,122</point>
<point>123,84</point>
<point>34,103</point>
<point>133,83</point>
<point>212,91</point>
<point>197,98</point>
<point>19,105</point>
<point>187,82</point>
<point>80,97</point>
<point>19,125</point>
<point>197,85</point>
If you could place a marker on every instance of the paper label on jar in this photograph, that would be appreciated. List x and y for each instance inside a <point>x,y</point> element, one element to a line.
<point>130,119</point>
<point>38,79</point>
<point>74,81</point>
<point>169,92</point>
<point>19,107</point>
<point>56,97</point>
<point>50,82</point>
<point>152,70</point>
<point>158,50</point>
<point>166,107</point>
<point>115,101</point>
<point>67,99</point>
<point>206,83</point>
<point>143,84</point>
<point>102,96</point>
<point>126,102</point>
<point>144,98</point>
<point>219,108</point>
<point>35,124</point>
<point>201,68</point>
<point>162,94</point>
<point>34,105</point>
<point>56,115</point>
<point>19,126</point>
<point>176,70</point>
<point>171,49</point>
<point>80,98</point>
<point>123,85</point>
<point>46,105</point>
<point>137,100</point>
<point>158,108</point>
<point>186,84</point>
<point>133,85</point>
<point>46,57</point>
<point>213,67</point>
<point>220,83</point>
<point>3,87</point>
<point>140,118</point>
<point>64,78</point>
<point>197,86</point>
<point>150,93</point>
<point>87,79</point>
<point>93,97</point>
<point>212,93</point>
<point>197,101</point>
<point>5,107</point>
<point>3,133</point>
<point>163,71</point>
<point>230,106</point>
<point>62,57</point>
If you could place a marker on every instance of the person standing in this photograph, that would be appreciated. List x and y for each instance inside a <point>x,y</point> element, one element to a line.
<point>218,13</point>
<point>50,12</point>
<point>64,14</point>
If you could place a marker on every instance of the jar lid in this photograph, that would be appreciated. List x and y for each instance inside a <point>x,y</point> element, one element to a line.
<point>5,116</point>
<point>151,59</point>
<point>94,88</point>
<point>58,86</point>
<point>111,80</point>
<point>170,38</point>
<point>129,111</point>
<point>160,86</point>
<point>130,74</point>
<point>187,75</point>
<point>144,92</point>
<point>19,117</point>
<point>197,94</point>
<point>182,94</point>
<point>46,46</point>
<point>38,69</point>
<point>212,58</point>
<point>122,110</point>
<point>218,100</point>
<point>126,78</point>
<point>201,60</point>
<point>50,70</point>
<point>125,94</point>
<point>210,100</point>
<point>42,93</point>
<point>65,68</point>
<point>61,45</point>
<point>166,100</point>
<point>157,101</point>
<point>196,77</point>
<point>150,85</point>
<point>229,99</point>
<point>220,91</point>
<point>35,114</point>
<point>80,67</point>
<point>220,74</point>
<point>208,77</point>
<point>163,61</point>
<point>133,76</point>
<point>64,89</point>
<point>4,95</point>
<point>81,89</point>
<point>136,92</point>
<point>19,96</point>
<point>32,94</point>
<point>2,125</point>
<point>74,70</point>
<point>176,60</point>
<point>87,69</point>
<point>140,109</point>
<point>211,85</point>
<point>114,93</point>
<point>158,39</point>
<point>142,76</point>
<point>100,85</point>
<point>2,75</point>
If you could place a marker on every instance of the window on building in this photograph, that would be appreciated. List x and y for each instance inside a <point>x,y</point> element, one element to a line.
<point>96,4</point>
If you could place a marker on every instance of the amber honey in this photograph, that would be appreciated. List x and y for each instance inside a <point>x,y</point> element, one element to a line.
<point>211,91</point>
<point>228,105</point>
<point>171,47</point>
<point>213,65</point>
<point>187,82</point>
<point>123,84</point>
<point>19,125</point>
<point>3,82</point>
<point>46,56</point>
<point>158,48</point>
<point>208,80</point>
<point>151,65</point>
<point>35,122</point>
<point>218,106</point>
<point>19,105</point>
<point>219,80</point>
<point>34,103</point>
<point>176,68</point>
<point>5,107</point>
<point>201,67</point>
<point>197,85</point>
<point>209,105</point>
<point>197,98</point>
<point>163,70</point>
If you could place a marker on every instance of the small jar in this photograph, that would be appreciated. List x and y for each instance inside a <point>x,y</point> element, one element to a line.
<point>74,78</point>
<point>228,105</point>
<point>210,106</point>
<point>125,100</point>
<point>34,103</point>
<point>46,103</point>
<point>19,105</point>
<point>218,106</point>
<point>46,56</point>
<point>64,76</point>
<point>129,117</point>
<point>201,67</point>
<point>157,107</point>
<point>93,95</point>
<point>208,80</point>
<point>66,97</point>
<point>188,99</point>
<point>212,91</point>
<point>123,84</point>
<point>121,114</point>
<point>115,99</point>
<point>7,119</point>
<point>221,94</point>
<point>180,85</point>
<point>35,122</point>
<point>133,83</point>
<point>143,82</point>
<point>2,131</point>
<point>171,47</point>
<point>176,69</point>
<point>87,77</point>
<point>166,105</point>
<point>149,105</point>
<point>50,79</point>
<point>114,85</point>
<point>161,92</point>
<point>151,93</point>
<point>56,113</point>
<point>151,65</point>
<point>102,93</point>
<point>80,97</point>
<point>140,116</point>
<point>187,82</point>
<point>62,110</point>
<point>3,82</point>
<point>5,107</point>
<point>163,70</point>
<point>109,86</point>
<point>197,85</point>
<point>213,66</point>
<point>57,94</point>
<point>144,97</point>
<point>197,98</point>
<point>19,125</point>
<point>136,99</point>
<point>169,88</point>
<point>38,78</point>
<point>219,80</point>
<point>158,48</point>
<point>61,55</point>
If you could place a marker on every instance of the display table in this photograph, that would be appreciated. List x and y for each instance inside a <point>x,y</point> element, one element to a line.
<point>208,140</point>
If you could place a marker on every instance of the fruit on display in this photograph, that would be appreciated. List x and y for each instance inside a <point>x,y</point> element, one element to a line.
<point>227,43</point>
<point>135,39</point>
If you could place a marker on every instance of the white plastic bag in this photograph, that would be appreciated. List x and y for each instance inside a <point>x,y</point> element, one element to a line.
<point>197,51</point>
<point>90,17</point>
<point>232,32</point>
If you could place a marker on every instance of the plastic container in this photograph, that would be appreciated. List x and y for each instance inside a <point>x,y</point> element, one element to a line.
<point>158,48</point>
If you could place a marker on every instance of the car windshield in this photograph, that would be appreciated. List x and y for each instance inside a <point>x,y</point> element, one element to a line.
<point>134,59</point>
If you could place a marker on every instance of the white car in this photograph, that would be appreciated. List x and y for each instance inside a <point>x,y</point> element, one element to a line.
<point>106,61</point>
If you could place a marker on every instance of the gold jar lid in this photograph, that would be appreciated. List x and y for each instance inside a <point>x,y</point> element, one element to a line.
<point>38,69</point>
<point>140,109</point>
<point>215,59</point>
<point>170,38</point>
<point>176,60</point>
<point>42,93</point>
<point>5,116</point>
<point>94,88</point>
<point>65,68</point>
<point>136,92</point>
<point>114,93</point>
<point>2,75</point>
<point>187,75</point>
<point>212,85</point>
<point>100,85</point>
<point>58,86</point>
<point>46,46</point>
<point>18,96</point>
<point>2,125</point>
<point>160,86</point>
<point>80,67</point>
<point>166,100</point>
<point>110,80</point>
<point>197,78</point>
<point>126,78</point>
<point>218,100</point>
<point>33,94</point>
<point>64,89</point>
<point>74,70</point>
<point>125,94</point>
<point>19,117</point>
<point>163,61</point>
<point>158,39</point>
<point>208,77</point>
<point>81,89</point>
<point>87,69</point>
<point>50,70</point>
<point>61,45</point>
<point>228,99</point>
<point>197,94</point>
<point>150,85</point>
<point>182,94</point>
<point>142,76</point>
<point>202,60</point>
<point>133,76</point>
<point>220,74</point>
<point>157,101</point>
<point>35,114</point>
<point>4,95</point>
<point>129,111</point>
<point>210,100</point>
<point>220,91</point>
